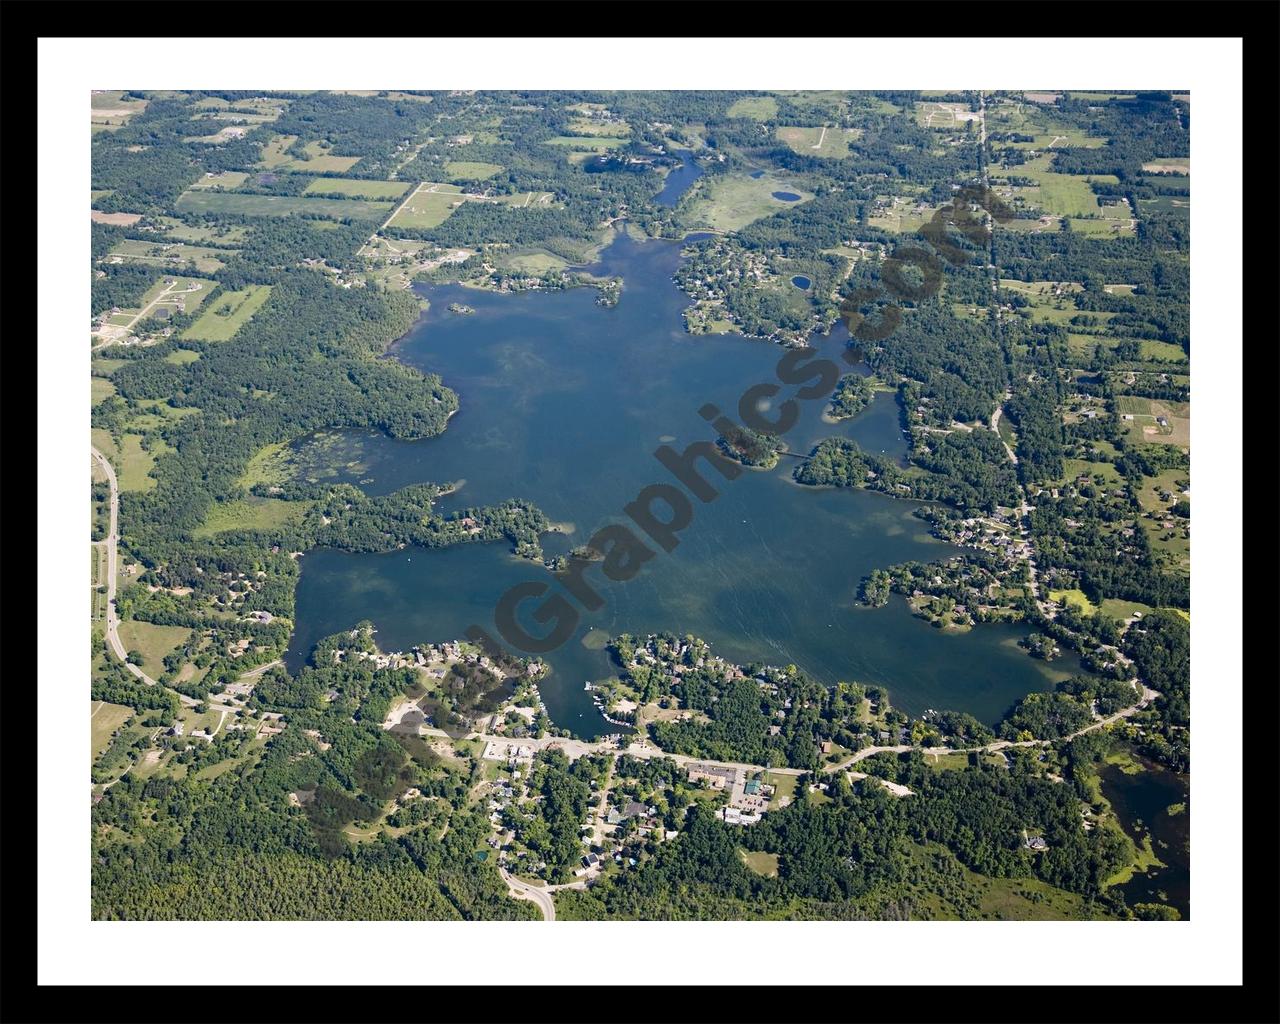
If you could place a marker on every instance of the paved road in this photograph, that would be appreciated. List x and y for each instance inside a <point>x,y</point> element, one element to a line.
<point>113,619</point>
<point>522,890</point>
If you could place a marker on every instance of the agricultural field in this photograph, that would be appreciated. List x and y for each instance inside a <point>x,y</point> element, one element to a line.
<point>470,170</point>
<point>280,206</point>
<point>117,219</point>
<point>109,110</point>
<point>825,141</point>
<point>228,314</point>
<point>1172,165</point>
<point>758,108</point>
<point>358,188</point>
<point>733,201</point>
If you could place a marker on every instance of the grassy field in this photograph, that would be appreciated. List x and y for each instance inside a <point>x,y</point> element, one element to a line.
<point>181,356</point>
<point>1076,598</point>
<point>280,206</point>
<point>226,179</point>
<point>153,641</point>
<point>104,720</point>
<point>100,388</point>
<point>805,141</point>
<point>1066,195</point>
<point>759,108</point>
<point>135,462</point>
<point>903,216</point>
<point>268,466</point>
<point>1123,609</point>
<point>761,863</point>
<point>228,314</point>
<point>733,201</point>
<point>535,262</point>
<point>251,514</point>
<point>1147,413</point>
<point>170,254</point>
<point>359,188</point>
<point>600,129</point>
<point>470,170</point>
<point>108,110</point>
<point>784,789</point>
<point>428,206</point>
<point>592,143</point>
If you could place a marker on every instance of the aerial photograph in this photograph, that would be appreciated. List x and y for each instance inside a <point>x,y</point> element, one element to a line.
<point>639,505</point>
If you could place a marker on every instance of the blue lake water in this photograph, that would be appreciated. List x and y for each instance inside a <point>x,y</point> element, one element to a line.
<point>563,402</point>
<point>786,197</point>
<point>679,179</point>
<point>801,282</point>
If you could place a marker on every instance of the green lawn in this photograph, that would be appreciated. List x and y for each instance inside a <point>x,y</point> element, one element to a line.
<point>784,788</point>
<point>181,356</point>
<point>228,314</point>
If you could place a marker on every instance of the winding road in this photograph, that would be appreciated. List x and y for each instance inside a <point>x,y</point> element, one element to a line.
<point>525,891</point>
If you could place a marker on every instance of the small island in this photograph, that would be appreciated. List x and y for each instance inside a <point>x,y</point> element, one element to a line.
<point>753,450</point>
<point>853,394</point>
<point>460,309</point>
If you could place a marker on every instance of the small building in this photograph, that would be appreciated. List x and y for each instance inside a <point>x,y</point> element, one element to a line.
<point>752,788</point>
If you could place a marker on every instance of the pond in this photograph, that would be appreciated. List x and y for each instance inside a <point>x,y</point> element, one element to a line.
<point>563,402</point>
<point>800,282</point>
<point>1142,802</point>
<point>787,197</point>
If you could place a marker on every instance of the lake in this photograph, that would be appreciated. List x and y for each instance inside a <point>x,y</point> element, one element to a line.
<point>563,402</point>
<point>786,197</point>
<point>679,179</point>
<point>801,282</point>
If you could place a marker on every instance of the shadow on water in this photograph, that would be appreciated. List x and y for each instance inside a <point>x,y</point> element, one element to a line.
<point>563,403</point>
